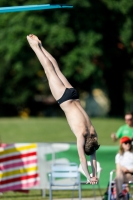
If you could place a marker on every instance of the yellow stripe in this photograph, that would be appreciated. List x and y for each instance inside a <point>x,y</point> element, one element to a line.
<point>18,171</point>
<point>16,149</point>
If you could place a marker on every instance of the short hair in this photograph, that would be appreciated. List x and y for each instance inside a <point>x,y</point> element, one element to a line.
<point>91,144</point>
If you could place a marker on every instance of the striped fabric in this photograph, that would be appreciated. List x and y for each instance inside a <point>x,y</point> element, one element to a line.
<point>18,166</point>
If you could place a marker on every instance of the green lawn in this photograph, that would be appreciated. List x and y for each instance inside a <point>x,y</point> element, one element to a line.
<point>52,130</point>
<point>15,130</point>
<point>36,195</point>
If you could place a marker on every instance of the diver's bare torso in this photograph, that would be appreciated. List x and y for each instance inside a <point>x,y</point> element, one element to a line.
<point>77,118</point>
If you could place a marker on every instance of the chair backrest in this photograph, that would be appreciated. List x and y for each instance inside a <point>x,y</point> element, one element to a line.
<point>89,164</point>
<point>64,171</point>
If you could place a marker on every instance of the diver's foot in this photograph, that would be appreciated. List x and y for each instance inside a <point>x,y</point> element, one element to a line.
<point>35,38</point>
<point>33,41</point>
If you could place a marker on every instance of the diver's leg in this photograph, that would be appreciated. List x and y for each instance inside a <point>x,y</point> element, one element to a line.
<point>55,64</point>
<point>56,85</point>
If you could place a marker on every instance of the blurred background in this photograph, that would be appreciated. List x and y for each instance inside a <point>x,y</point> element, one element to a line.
<point>93,44</point>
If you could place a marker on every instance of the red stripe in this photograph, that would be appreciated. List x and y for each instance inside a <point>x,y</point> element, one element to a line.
<point>17,156</point>
<point>19,186</point>
<point>19,163</point>
<point>18,179</point>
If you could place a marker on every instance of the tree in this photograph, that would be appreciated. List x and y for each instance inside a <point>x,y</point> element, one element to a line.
<point>92,43</point>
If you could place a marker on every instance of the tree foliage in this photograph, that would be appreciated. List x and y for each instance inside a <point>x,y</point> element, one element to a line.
<point>92,43</point>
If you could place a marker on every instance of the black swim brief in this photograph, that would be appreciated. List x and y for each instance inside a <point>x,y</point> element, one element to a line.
<point>70,93</point>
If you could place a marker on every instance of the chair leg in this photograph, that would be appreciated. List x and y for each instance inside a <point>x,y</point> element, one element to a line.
<point>80,192</point>
<point>72,192</point>
<point>99,190</point>
<point>50,192</point>
<point>94,194</point>
<point>109,191</point>
<point>43,193</point>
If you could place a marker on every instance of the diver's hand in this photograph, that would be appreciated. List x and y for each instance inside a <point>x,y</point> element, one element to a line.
<point>92,180</point>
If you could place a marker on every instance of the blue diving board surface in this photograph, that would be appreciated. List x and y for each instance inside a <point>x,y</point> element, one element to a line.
<point>33,7</point>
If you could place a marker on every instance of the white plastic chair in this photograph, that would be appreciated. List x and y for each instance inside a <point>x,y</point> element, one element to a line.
<point>99,169</point>
<point>112,184</point>
<point>64,177</point>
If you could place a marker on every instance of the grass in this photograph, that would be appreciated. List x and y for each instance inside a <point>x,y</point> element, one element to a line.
<point>37,195</point>
<point>13,130</point>
<point>18,130</point>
